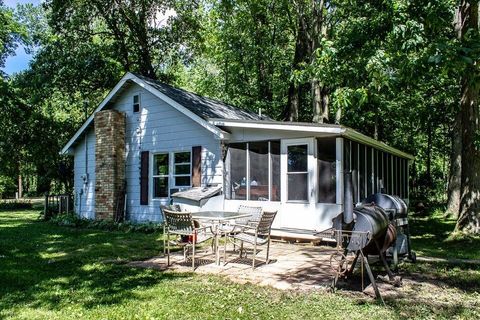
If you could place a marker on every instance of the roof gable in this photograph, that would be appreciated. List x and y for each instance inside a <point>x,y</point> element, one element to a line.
<point>193,106</point>
<point>204,107</point>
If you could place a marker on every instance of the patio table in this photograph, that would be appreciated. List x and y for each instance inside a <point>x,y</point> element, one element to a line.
<point>217,218</point>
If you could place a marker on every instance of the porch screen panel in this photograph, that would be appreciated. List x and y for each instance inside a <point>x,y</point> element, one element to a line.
<point>361,173</point>
<point>258,153</point>
<point>376,171</point>
<point>275,170</point>
<point>381,179</point>
<point>400,177</point>
<point>354,168</point>
<point>395,175</point>
<point>369,179</point>
<point>346,156</point>
<point>389,174</point>
<point>406,179</point>
<point>297,172</point>
<point>327,173</point>
<point>238,171</point>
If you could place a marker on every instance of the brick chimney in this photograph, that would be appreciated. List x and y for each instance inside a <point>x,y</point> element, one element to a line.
<point>109,161</point>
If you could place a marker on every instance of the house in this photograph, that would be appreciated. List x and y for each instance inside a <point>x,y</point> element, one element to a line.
<point>148,140</point>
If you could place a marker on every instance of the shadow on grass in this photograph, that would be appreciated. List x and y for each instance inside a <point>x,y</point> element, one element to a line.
<point>432,236</point>
<point>46,265</point>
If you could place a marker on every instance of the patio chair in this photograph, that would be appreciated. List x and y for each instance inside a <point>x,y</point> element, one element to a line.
<point>182,225</point>
<point>255,233</point>
<point>172,207</point>
<point>255,212</point>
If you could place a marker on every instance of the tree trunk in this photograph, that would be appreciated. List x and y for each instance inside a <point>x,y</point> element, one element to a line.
<point>293,104</point>
<point>454,176</point>
<point>20,186</point>
<point>292,110</point>
<point>320,102</point>
<point>469,215</point>
<point>320,106</point>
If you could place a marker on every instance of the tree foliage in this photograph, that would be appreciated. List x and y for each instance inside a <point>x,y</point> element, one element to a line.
<point>390,69</point>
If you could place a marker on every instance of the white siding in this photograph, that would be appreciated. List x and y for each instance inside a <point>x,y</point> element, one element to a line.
<point>85,193</point>
<point>158,127</point>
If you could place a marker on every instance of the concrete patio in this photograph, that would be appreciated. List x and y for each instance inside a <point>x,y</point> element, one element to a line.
<point>292,266</point>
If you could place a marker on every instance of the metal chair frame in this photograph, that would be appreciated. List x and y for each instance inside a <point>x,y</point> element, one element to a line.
<point>255,233</point>
<point>182,224</point>
<point>170,207</point>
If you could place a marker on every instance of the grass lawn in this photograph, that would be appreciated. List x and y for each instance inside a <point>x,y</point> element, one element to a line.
<point>52,272</point>
<point>431,237</point>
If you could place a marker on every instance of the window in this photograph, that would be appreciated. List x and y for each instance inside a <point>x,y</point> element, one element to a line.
<point>254,171</point>
<point>327,173</point>
<point>275,170</point>
<point>136,103</point>
<point>182,169</point>
<point>160,175</point>
<point>170,171</point>
<point>237,153</point>
<point>258,161</point>
<point>297,172</point>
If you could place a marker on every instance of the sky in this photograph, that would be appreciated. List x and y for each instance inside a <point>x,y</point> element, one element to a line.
<point>20,60</point>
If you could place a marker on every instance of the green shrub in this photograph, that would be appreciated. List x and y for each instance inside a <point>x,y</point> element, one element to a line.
<point>15,205</point>
<point>72,220</point>
<point>7,186</point>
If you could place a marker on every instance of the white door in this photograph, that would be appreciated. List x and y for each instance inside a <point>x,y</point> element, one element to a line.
<point>298,187</point>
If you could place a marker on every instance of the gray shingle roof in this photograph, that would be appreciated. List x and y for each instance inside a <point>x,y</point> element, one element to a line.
<point>203,107</point>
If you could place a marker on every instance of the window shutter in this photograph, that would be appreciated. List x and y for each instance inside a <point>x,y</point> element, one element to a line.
<point>144,177</point>
<point>196,166</point>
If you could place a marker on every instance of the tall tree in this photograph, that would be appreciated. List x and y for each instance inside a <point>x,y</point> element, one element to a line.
<point>144,36</point>
<point>469,38</point>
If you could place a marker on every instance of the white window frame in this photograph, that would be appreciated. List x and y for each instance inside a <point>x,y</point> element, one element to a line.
<point>311,166</point>
<point>171,172</point>
<point>152,176</point>
<point>175,175</point>
<point>139,102</point>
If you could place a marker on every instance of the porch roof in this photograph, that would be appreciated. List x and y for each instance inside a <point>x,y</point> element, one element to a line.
<point>312,129</point>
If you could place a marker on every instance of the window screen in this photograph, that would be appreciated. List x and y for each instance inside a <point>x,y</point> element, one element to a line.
<point>258,153</point>
<point>297,172</point>
<point>362,172</point>
<point>238,170</point>
<point>369,177</point>
<point>275,170</point>
<point>326,160</point>
<point>354,167</point>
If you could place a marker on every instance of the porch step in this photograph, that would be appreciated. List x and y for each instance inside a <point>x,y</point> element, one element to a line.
<point>300,235</point>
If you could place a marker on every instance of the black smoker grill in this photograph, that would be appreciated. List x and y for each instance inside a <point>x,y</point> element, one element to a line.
<point>368,229</point>
<point>397,212</point>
